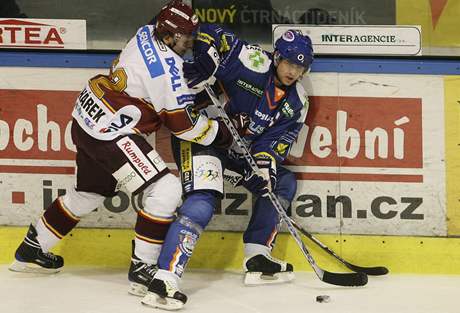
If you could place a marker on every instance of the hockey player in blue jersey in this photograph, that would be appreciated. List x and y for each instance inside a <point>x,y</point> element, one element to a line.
<point>268,106</point>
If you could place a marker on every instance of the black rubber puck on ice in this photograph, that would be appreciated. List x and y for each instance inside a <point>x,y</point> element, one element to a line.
<point>323,299</point>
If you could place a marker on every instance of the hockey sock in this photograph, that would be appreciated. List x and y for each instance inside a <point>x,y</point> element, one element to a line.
<point>56,222</point>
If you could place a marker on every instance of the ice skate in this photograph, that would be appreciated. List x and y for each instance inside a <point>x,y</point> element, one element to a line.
<point>263,269</point>
<point>164,292</point>
<point>30,257</point>
<point>140,275</point>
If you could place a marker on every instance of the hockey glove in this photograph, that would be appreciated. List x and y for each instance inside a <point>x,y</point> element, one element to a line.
<point>224,138</point>
<point>267,166</point>
<point>202,101</point>
<point>203,66</point>
<point>263,181</point>
<point>254,182</point>
<point>241,122</point>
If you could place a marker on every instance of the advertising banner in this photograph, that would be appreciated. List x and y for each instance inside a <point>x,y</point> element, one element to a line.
<point>439,21</point>
<point>42,33</point>
<point>252,20</point>
<point>373,162</point>
<point>359,40</point>
<point>374,157</point>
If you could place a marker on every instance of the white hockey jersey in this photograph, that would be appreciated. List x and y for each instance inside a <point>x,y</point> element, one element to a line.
<point>145,89</point>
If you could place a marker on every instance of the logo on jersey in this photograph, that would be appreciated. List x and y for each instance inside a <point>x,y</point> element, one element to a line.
<point>185,99</point>
<point>174,72</point>
<point>254,59</point>
<point>149,53</point>
<point>257,59</point>
<point>249,87</point>
<point>263,116</point>
<point>193,114</point>
<point>287,110</point>
<point>281,148</point>
<point>207,172</point>
<point>123,121</point>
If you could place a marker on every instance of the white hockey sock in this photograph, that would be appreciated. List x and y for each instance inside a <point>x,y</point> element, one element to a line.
<point>252,249</point>
<point>45,237</point>
<point>146,251</point>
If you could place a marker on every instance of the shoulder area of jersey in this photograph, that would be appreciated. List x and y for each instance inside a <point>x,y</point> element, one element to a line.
<point>302,94</point>
<point>255,58</point>
<point>146,42</point>
<point>159,59</point>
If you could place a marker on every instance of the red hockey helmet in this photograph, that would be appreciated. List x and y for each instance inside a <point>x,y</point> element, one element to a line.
<point>177,17</point>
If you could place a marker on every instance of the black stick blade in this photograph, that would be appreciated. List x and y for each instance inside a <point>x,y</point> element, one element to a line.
<point>345,279</point>
<point>372,271</point>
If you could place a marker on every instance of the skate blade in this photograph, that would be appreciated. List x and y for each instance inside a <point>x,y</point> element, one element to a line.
<point>136,289</point>
<point>258,278</point>
<point>24,267</point>
<point>155,301</point>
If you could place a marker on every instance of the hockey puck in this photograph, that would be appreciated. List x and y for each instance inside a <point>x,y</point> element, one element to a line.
<point>323,299</point>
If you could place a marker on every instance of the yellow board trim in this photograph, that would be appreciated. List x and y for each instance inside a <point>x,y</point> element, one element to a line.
<point>224,250</point>
<point>452,129</point>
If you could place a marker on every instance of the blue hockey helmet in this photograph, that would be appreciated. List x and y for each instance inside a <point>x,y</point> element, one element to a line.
<point>295,47</point>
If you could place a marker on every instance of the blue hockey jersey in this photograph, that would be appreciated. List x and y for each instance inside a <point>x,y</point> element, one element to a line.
<point>247,74</point>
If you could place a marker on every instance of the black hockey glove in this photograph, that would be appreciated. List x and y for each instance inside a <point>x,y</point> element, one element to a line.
<point>241,122</point>
<point>254,182</point>
<point>267,165</point>
<point>203,66</point>
<point>263,181</point>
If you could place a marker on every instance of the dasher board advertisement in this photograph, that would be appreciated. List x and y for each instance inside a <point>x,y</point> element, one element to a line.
<point>372,163</point>
<point>374,159</point>
<point>397,40</point>
<point>42,33</point>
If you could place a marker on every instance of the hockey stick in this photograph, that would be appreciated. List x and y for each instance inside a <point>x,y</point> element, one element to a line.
<point>341,279</point>
<point>373,271</point>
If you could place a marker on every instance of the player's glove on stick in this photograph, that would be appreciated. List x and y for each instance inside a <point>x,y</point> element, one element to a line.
<point>254,182</point>
<point>267,166</point>
<point>241,122</point>
<point>203,66</point>
<point>262,182</point>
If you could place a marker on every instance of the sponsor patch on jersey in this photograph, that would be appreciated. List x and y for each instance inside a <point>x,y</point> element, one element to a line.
<point>149,53</point>
<point>281,148</point>
<point>173,73</point>
<point>250,88</point>
<point>137,159</point>
<point>161,45</point>
<point>185,99</point>
<point>255,59</point>
<point>207,173</point>
<point>193,114</point>
<point>186,165</point>
<point>287,110</point>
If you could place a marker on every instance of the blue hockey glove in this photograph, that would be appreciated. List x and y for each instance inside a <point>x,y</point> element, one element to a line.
<point>203,66</point>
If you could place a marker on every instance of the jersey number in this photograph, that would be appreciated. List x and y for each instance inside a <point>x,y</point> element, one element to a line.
<point>116,81</point>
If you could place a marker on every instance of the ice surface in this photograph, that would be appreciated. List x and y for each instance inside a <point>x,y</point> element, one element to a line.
<point>102,290</point>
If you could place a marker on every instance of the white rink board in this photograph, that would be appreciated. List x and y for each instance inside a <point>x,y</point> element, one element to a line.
<point>427,196</point>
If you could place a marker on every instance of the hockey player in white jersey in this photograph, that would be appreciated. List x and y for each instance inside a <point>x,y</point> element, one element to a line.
<point>144,90</point>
